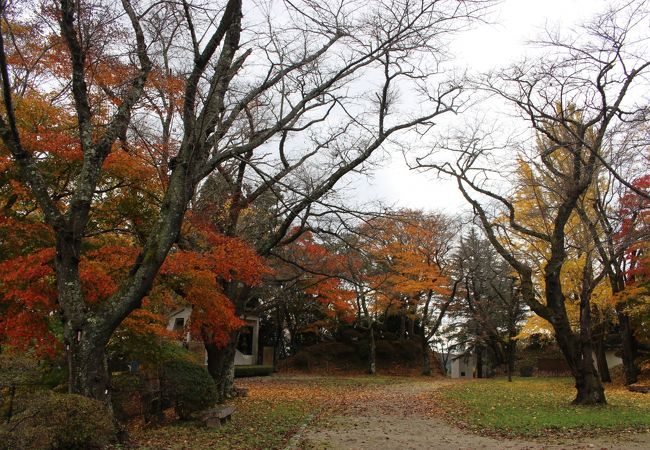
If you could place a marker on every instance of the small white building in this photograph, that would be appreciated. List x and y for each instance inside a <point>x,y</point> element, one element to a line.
<point>247,347</point>
<point>461,366</point>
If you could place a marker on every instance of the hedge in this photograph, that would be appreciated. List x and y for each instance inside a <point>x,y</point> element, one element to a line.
<point>188,387</point>
<point>253,371</point>
<point>59,421</point>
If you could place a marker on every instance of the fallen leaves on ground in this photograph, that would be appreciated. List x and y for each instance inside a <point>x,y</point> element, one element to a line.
<point>276,408</point>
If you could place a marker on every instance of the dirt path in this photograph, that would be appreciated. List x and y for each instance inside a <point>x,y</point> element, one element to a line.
<point>398,416</point>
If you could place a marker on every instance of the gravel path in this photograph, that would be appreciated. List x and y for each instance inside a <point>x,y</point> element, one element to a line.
<point>397,416</point>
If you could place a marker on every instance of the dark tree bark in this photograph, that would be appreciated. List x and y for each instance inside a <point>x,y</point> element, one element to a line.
<point>278,338</point>
<point>590,387</point>
<point>510,362</point>
<point>402,324</point>
<point>426,359</point>
<point>411,327</point>
<point>612,256</point>
<point>221,361</point>
<point>601,360</point>
<point>221,365</point>
<point>478,352</point>
<point>372,365</point>
<point>629,347</point>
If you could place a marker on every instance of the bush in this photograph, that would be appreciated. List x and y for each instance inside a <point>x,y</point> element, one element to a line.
<point>147,349</point>
<point>18,369</point>
<point>20,375</point>
<point>59,421</point>
<point>126,395</point>
<point>252,371</point>
<point>187,386</point>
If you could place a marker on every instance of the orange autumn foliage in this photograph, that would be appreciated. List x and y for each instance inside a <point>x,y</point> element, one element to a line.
<point>28,291</point>
<point>197,275</point>
<point>404,269</point>
<point>316,272</point>
<point>126,202</point>
<point>28,300</point>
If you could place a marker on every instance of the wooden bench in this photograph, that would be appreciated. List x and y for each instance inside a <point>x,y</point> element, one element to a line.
<point>215,417</point>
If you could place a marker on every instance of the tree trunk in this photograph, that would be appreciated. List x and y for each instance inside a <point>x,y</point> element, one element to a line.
<point>221,362</point>
<point>88,371</point>
<point>577,349</point>
<point>588,386</point>
<point>628,347</point>
<point>278,339</point>
<point>402,324</point>
<point>426,360</point>
<point>411,327</point>
<point>510,356</point>
<point>85,332</point>
<point>479,362</point>
<point>601,359</point>
<point>590,389</point>
<point>579,357</point>
<point>221,365</point>
<point>371,352</point>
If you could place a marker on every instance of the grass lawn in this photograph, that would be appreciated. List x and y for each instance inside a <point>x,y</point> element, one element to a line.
<point>537,406</point>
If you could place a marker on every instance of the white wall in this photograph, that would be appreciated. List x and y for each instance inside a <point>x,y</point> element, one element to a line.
<point>462,367</point>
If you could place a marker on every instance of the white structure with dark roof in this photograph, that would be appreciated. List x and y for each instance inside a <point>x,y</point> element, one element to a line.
<point>247,347</point>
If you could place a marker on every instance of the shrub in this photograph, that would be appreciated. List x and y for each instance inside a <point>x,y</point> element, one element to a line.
<point>59,421</point>
<point>18,369</point>
<point>253,371</point>
<point>126,395</point>
<point>187,386</point>
<point>147,349</point>
<point>385,350</point>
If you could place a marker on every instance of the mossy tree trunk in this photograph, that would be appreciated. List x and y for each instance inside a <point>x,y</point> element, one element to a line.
<point>372,366</point>
<point>221,365</point>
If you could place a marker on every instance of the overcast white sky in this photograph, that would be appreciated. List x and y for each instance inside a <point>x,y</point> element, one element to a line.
<point>488,45</point>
